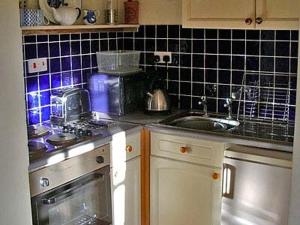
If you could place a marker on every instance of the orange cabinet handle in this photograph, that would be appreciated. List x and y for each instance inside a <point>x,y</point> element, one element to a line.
<point>129,148</point>
<point>184,149</point>
<point>215,176</point>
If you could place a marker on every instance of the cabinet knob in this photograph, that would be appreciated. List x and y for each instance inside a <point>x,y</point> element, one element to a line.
<point>44,182</point>
<point>215,176</point>
<point>129,148</point>
<point>184,149</point>
<point>100,159</point>
<point>248,21</point>
<point>259,20</point>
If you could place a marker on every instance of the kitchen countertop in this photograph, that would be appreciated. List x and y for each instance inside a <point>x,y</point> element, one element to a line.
<point>139,117</point>
<point>258,136</point>
<point>248,133</point>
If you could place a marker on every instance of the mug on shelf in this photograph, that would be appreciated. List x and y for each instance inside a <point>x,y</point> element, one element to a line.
<point>32,17</point>
<point>90,16</point>
<point>41,20</point>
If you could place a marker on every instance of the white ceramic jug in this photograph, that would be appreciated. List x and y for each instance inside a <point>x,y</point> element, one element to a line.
<point>66,15</point>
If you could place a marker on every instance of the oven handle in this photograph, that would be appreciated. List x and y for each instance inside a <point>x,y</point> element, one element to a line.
<point>48,201</point>
<point>52,200</point>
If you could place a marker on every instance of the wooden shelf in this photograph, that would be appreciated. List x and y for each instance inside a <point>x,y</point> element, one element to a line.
<point>55,29</point>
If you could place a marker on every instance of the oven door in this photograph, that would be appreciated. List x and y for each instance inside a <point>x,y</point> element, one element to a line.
<point>86,200</point>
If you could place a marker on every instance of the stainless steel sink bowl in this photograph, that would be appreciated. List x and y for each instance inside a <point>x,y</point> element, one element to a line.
<point>196,121</point>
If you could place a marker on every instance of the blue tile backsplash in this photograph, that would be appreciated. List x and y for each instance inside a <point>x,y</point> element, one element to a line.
<point>71,57</point>
<point>208,62</point>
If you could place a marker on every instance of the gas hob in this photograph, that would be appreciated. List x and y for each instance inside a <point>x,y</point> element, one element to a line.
<point>47,138</point>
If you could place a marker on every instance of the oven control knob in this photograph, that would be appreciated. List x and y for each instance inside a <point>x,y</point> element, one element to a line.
<point>80,132</point>
<point>65,129</point>
<point>100,159</point>
<point>44,182</point>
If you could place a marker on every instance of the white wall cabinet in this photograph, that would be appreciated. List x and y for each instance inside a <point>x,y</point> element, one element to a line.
<point>126,179</point>
<point>277,14</point>
<point>185,181</point>
<point>248,14</point>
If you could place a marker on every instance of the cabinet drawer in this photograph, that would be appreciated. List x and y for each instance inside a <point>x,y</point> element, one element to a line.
<point>124,147</point>
<point>187,149</point>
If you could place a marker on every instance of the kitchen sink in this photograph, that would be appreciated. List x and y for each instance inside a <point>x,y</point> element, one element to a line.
<point>197,121</point>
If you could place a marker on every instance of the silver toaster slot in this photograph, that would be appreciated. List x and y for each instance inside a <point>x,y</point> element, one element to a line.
<point>69,105</point>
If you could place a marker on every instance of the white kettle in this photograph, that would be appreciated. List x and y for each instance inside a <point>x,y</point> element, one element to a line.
<point>65,15</point>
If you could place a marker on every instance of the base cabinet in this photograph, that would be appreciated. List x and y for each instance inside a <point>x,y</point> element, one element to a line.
<point>183,193</point>
<point>126,179</point>
<point>132,201</point>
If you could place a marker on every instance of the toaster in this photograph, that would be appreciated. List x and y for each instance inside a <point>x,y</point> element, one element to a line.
<point>69,104</point>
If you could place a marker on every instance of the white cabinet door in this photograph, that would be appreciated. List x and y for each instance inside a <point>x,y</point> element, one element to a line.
<point>277,14</point>
<point>126,178</point>
<point>184,194</point>
<point>248,14</point>
<point>218,13</point>
<point>126,193</point>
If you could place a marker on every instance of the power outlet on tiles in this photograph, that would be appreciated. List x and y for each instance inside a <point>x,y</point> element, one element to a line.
<point>37,65</point>
<point>161,56</point>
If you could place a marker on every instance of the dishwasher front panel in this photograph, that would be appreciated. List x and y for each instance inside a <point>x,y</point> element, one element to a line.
<point>255,193</point>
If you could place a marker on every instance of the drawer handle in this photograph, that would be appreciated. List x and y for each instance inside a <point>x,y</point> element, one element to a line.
<point>184,150</point>
<point>259,20</point>
<point>248,21</point>
<point>215,176</point>
<point>129,148</point>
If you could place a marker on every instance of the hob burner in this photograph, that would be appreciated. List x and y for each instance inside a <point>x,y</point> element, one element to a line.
<point>61,139</point>
<point>35,146</point>
<point>36,131</point>
<point>87,128</point>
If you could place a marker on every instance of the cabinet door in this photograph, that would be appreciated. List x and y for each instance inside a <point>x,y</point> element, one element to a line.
<point>126,193</point>
<point>277,14</point>
<point>183,193</point>
<point>218,13</point>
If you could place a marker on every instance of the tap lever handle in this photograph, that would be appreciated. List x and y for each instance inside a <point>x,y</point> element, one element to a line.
<point>203,100</point>
<point>228,102</point>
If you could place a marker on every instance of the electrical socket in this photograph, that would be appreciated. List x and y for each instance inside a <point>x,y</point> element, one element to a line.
<point>161,56</point>
<point>37,65</point>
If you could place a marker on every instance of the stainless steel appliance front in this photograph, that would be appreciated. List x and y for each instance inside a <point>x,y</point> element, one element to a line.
<point>117,94</point>
<point>75,191</point>
<point>256,190</point>
<point>69,104</point>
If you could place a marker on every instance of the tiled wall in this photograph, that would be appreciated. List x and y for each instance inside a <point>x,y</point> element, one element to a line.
<point>215,63</point>
<point>71,57</point>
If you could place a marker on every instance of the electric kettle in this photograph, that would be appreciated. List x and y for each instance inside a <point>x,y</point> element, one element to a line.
<point>157,99</point>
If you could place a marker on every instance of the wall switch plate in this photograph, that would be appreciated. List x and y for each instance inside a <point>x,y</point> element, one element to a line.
<point>37,65</point>
<point>161,56</point>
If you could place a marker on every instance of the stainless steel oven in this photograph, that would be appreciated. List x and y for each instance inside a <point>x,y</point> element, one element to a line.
<point>74,191</point>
